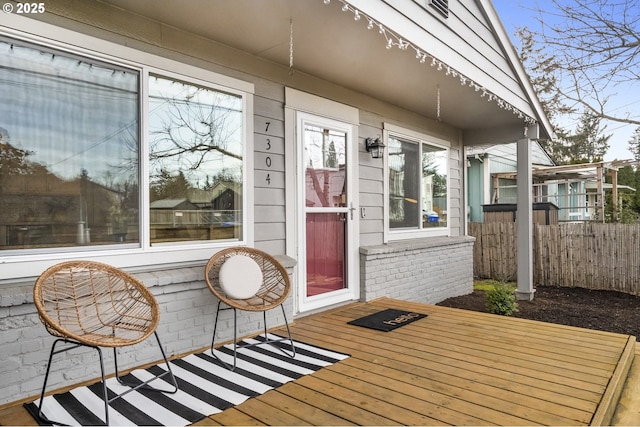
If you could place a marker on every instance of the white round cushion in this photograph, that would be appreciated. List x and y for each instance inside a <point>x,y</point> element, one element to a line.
<point>240,277</point>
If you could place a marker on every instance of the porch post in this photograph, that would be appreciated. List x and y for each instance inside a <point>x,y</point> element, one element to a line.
<point>524,224</point>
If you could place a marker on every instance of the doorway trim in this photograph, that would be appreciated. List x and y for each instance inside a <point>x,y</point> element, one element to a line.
<point>296,103</point>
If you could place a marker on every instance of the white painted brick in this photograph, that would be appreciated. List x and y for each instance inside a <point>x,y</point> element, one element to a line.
<point>430,274</point>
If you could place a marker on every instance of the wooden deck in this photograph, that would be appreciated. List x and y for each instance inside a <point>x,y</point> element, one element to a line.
<point>454,367</point>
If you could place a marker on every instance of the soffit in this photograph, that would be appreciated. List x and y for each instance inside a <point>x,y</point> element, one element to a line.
<point>328,43</point>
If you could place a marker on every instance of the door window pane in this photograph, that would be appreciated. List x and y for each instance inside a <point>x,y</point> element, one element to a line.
<point>196,149</point>
<point>69,150</point>
<point>325,178</point>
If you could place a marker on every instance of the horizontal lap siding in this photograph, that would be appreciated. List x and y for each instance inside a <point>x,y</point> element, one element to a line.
<point>269,176</point>
<point>465,40</point>
<point>371,183</point>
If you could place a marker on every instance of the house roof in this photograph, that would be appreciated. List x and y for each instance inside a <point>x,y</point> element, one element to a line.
<point>167,203</point>
<point>583,171</point>
<point>539,156</point>
<point>605,185</point>
<point>469,59</point>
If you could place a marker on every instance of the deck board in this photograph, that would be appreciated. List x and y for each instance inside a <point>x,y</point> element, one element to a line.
<point>458,367</point>
<point>454,367</point>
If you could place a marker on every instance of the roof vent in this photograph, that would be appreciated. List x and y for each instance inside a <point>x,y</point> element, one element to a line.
<point>441,6</point>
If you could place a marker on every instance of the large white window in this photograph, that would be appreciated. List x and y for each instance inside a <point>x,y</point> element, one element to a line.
<point>117,157</point>
<point>417,186</point>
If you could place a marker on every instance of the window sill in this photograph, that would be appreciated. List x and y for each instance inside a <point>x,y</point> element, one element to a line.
<point>413,244</point>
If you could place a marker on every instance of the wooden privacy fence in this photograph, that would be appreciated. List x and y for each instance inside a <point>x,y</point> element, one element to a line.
<point>587,255</point>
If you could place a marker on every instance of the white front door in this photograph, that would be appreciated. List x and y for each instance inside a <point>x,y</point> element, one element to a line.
<point>326,218</point>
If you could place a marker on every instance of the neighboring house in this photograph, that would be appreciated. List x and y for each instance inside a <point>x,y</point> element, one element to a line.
<point>575,192</point>
<point>226,196</point>
<point>173,205</point>
<point>485,161</point>
<point>579,191</point>
<point>163,97</point>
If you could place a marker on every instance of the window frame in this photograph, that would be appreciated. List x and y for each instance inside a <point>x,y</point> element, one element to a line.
<point>141,256</point>
<point>390,234</point>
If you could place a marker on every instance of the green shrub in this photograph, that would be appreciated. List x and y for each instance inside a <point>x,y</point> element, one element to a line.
<point>502,299</point>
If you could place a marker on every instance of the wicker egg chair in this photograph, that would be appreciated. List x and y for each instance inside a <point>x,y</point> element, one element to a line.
<point>91,304</point>
<point>273,287</point>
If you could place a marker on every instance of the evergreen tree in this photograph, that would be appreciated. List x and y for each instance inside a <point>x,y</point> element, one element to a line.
<point>588,144</point>
<point>629,208</point>
<point>634,147</point>
<point>331,157</point>
<point>169,186</point>
<point>542,73</point>
<point>634,144</point>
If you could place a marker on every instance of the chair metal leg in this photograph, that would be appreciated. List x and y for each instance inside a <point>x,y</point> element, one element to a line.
<point>290,353</point>
<point>215,325</point>
<point>53,352</point>
<point>41,417</point>
<point>264,321</point>
<point>107,401</point>
<point>46,378</point>
<point>105,395</point>
<point>235,339</point>
<point>145,385</point>
<point>215,328</point>
<point>293,347</point>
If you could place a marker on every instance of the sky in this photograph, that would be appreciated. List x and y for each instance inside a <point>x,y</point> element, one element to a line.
<point>513,15</point>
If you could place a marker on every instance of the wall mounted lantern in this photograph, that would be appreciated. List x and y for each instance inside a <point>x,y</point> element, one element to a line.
<point>375,147</point>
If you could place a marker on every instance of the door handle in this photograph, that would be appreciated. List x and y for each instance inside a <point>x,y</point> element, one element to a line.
<point>351,209</point>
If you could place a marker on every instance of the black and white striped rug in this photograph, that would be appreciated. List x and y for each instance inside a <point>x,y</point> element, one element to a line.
<point>205,387</point>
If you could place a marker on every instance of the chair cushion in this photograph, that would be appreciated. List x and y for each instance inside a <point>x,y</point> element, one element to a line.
<point>240,277</point>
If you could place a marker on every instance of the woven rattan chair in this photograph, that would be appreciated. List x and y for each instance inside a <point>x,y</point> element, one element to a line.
<point>272,290</point>
<point>86,303</point>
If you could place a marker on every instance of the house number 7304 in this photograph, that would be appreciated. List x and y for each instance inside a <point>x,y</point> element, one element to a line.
<point>267,160</point>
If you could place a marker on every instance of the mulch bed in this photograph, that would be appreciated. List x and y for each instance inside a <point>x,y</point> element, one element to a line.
<point>593,309</point>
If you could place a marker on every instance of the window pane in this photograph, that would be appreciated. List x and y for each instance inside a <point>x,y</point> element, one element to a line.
<point>196,146</point>
<point>434,186</point>
<point>325,156</point>
<point>404,183</point>
<point>69,140</point>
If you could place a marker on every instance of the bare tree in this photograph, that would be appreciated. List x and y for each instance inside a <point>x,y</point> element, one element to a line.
<point>192,131</point>
<point>595,48</point>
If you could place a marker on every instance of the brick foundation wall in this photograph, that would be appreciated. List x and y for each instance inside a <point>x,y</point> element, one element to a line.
<point>426,270</point>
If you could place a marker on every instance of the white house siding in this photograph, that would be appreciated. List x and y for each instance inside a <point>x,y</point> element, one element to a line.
<point>269,196</point>
<point>428,270</point>
<point>465,41</point>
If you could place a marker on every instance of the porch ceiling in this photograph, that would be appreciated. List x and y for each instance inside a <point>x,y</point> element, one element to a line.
<point>331,45</point>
